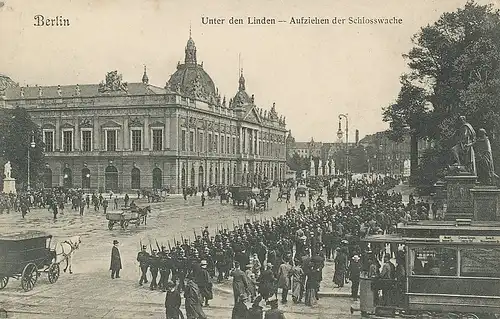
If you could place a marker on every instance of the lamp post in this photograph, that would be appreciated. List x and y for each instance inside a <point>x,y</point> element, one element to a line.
<point>31,145</point>
<point>339,135</point>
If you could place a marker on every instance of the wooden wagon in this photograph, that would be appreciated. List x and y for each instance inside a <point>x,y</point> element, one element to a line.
<point>128,216</point>
<point>24,256</point>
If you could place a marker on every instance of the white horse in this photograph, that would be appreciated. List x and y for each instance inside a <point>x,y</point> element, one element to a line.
<point>66,249</point>
<point>252,204</point>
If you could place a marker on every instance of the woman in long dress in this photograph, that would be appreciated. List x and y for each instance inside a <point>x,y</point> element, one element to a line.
<point>340,268</point>
<point>312,285</point>
<point>297,274</point>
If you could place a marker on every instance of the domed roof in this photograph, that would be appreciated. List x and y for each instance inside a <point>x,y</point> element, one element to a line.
<point>190,79</point>
<point>6,82</point>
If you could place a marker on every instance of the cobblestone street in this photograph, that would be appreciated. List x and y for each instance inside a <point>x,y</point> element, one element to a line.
<point>90,292</point>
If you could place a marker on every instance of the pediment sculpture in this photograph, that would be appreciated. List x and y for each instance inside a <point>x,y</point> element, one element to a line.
<point>113,83</point>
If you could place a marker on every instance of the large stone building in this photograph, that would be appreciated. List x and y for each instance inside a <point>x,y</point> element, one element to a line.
<point>127,136</point>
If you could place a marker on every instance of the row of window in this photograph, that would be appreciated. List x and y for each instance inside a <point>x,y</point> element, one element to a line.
<point>473,262</point>
<point>110,178</point>
<point>228,145</point>
<point>110,140</point>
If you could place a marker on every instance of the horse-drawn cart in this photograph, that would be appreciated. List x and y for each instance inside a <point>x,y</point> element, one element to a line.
<point>128,216</point>
<point>24,256</point>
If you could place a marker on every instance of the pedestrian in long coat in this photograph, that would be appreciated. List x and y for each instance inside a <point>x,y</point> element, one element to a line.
<point>193,302</point>
<point>116,261</point>
<point>266,283</point>
<point>340,268</point>
<point>297,275</point>
<point>240,283</point>
<point>173,302</point>
<point>284,279</point>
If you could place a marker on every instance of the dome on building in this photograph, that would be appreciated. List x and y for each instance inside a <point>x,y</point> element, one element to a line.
<point>190,79</point>
<point>6,82</point>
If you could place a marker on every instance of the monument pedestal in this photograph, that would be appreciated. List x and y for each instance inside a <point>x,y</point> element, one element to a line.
<point>459,198</point>
<point>9,185</point>
<point>486,203</point>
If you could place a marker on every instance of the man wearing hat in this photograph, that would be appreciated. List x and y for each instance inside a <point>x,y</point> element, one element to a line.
<point>274,312</point>
<point>172,302</point>
<point>142,258</point>
<point>202,279</point>
<point>353,274</point>
<point>116,262</point>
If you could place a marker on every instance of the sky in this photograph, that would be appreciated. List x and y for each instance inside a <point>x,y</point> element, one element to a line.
<point>312,72</point>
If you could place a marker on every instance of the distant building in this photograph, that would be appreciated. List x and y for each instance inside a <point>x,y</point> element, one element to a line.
<point>128,136</point>
<point>388,157</point>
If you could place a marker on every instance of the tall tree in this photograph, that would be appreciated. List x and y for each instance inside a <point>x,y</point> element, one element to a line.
<point>18,132</point>
<point>457,61</point>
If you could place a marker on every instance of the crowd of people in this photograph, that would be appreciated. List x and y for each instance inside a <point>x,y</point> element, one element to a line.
<point>284,255</point>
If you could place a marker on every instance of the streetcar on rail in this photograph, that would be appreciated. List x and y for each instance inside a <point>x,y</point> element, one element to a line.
<point>448,269</point>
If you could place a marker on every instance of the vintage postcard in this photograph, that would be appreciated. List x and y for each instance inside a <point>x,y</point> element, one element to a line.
<point>249,159</point>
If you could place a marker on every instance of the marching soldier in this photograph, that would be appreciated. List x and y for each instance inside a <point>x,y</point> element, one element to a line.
<point>164,268</point>
<point>153,269</point>
<point>143,259</point>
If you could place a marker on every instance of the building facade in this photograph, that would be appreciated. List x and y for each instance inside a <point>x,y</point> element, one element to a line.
<point>126,136</point>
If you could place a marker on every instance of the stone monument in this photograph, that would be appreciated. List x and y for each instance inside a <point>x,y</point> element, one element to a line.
<point>9,183</point>
<point>461,177</point>
<point>486,195</point>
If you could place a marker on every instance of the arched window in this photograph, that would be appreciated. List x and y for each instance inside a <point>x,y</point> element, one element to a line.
<point>67,178</point>
<point>86,178</point>
<point>234,175</point>
<point>223,175</point>
<point>183,177</point>
<point>192,176</point>
<point>210,177</point>
<point>216,175</point>
<point>111,178</point>
<point>200,178</point>
<point>135,178</point>
<point>157,178</point>
<point>47,178</point>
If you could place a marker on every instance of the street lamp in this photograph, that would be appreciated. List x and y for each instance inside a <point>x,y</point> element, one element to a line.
<point>339,135</point>
<point>31,145</point>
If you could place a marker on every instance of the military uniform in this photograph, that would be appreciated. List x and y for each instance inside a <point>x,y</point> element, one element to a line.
<point>143,259</point>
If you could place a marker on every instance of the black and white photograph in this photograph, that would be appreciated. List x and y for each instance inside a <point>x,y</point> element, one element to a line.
<point>262,159</point>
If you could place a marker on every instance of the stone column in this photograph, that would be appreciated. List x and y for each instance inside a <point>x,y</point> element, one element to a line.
<point>166,133</point>
<point>77,135</point>
<point>241,140</point>
<point>96,136</point>
<point>58,137</point>
<point>257,137</point>
<point>147,137</point>
<point>126,135</point>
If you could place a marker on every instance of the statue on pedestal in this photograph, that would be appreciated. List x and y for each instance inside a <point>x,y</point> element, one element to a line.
<point>485,168</point>
<point>463,152</point>
<point>7,169</point>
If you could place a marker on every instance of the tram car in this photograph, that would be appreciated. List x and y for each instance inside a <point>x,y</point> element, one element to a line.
<point>449,269</point>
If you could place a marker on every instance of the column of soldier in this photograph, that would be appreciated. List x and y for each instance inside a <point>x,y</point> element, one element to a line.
<point>257,253</point>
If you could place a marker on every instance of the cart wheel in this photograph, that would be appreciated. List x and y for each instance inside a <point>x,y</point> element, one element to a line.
<point>110,225</point>
<point>3,281</point>
<point>125,224</point>
<point>53,273</point>
<point>29,277</point>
